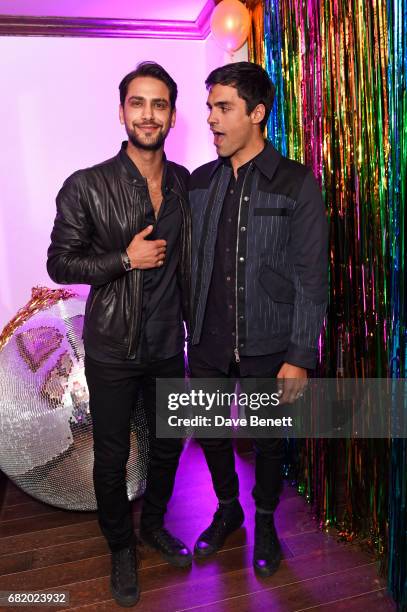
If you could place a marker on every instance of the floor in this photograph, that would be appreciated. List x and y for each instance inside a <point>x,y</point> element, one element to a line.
<point>44,548</point>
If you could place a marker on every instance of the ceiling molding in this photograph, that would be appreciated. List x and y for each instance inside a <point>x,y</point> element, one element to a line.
<point>89,27</point>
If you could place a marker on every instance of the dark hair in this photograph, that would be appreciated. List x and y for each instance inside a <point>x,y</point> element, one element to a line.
<point>149,69</point>
<point>252,82</point>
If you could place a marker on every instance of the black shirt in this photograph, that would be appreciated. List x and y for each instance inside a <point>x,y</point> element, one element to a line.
<point>162,330</point>
<point>218,339</point>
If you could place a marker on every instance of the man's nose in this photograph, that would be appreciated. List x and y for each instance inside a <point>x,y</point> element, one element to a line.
<point>211,119</point>
<point>147,111</point>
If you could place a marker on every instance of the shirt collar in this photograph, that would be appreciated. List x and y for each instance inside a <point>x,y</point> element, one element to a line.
<point>135,173</point>
<point>266,161</point>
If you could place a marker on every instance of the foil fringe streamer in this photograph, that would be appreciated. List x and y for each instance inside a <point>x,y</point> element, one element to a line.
<point>41,298</point>
<point>340,70</point>
<point>397,185</point>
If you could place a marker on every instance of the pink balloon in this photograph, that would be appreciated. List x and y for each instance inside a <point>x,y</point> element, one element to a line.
<point>230,24</point>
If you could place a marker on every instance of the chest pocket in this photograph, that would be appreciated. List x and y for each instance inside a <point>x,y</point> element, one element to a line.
<point>272,212</point>
<point>270,222</point>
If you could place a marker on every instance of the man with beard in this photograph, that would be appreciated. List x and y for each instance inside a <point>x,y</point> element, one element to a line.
<point>123,226</point>
<point>259,273</point>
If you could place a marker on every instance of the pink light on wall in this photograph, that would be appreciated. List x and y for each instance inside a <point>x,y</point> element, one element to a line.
<point>102,27</point>
<point>62,115</point>
<point>182,10</point>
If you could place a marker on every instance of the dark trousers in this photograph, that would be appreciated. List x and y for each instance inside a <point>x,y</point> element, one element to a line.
<point>220,455</point>
<point>113,390</point>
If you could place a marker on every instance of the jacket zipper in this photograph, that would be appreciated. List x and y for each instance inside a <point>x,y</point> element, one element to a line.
<point>130,345</point>
<point>181,263</point>
<point>236,350</point>
<point>136,293</point>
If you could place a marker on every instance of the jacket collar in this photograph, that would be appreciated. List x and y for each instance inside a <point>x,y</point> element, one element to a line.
<point>266,161</point>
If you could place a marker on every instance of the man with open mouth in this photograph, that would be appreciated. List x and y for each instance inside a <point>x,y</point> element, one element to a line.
<point>259,278</point>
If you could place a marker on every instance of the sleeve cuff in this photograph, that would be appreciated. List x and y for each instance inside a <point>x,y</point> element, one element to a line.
<point>302,357</point>
<point>115,263</point>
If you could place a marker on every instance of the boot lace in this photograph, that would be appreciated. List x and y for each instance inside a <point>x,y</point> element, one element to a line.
<point>167,540</point>
<point>125,566</point>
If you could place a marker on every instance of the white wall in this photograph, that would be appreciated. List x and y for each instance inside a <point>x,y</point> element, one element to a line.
<point>59,112</point>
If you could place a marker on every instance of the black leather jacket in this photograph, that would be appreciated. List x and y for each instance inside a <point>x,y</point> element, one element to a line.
<point>99,210</point>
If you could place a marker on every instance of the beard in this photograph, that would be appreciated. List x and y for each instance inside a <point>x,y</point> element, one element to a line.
<point>152,144</point>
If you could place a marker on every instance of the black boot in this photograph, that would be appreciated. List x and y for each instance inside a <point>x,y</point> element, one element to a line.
<point>171,549</point>
<point>267,550</point>
<point>123,581</point>
<point>227,518</point>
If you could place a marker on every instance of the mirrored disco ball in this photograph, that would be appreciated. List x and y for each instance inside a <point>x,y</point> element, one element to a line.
<point>46,443</point>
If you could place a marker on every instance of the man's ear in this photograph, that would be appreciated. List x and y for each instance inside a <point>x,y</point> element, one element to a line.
<point>173,117</point>
<point>258,113</point>
<point>121,114</point>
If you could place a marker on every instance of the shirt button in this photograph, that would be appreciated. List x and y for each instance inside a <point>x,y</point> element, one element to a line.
<point>227,250</point>
<point>231,306</point>
<point>246,198</point>
<point>229,220</point>
<point>232,191</point>
<point>233,334</point>
<point>241,288</point>
<point>241,317</point>
<point>243,229</point>
<point>228,278</point>
<point>241,345</point>
<point>241,259</point>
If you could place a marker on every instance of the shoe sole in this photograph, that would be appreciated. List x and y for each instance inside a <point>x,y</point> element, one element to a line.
<point>263,572</point>
<point>183,563</point>
<point>125,602</point>
<point>199,554</point>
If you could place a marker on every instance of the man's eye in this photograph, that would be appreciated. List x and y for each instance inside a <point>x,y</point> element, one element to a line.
<point>160,105</point>
<point>136,103</point>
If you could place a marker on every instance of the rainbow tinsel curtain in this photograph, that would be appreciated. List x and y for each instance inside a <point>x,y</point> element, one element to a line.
<point>340,70</point>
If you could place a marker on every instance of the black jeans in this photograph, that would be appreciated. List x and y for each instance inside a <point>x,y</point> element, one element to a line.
<point>112,392</point>
<point>220,455</point>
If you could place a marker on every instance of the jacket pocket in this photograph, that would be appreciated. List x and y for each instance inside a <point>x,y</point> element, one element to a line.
<point>272,212</point>
<point>278,287</point>
<point>107,315</point>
